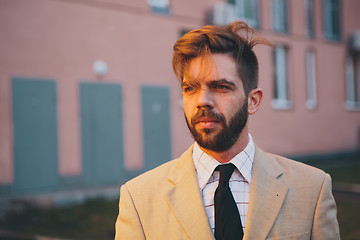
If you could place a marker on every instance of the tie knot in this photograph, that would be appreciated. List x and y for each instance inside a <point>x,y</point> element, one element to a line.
<point>226,171</point>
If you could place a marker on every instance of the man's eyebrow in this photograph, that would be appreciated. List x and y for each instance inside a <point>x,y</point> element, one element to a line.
<point>222,81</point>
<point>186,84</point>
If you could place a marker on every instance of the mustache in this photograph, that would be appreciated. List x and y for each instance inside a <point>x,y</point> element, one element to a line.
<point>208,114</point>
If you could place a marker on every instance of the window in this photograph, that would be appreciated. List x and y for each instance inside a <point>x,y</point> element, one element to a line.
<point>247,10</point>
<point>353,82</point>
<point>309,8</point>
<point>159,6</point>
<point>280,16</point>
<point>311,79</point>
<point>281,96</point>
<point>331,24</point>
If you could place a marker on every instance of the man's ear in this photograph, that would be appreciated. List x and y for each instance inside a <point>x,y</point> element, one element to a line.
<point>254,100</point>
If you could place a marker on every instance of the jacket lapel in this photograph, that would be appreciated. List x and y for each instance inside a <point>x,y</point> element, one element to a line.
<point>267,194</point>
<point>185,201</point>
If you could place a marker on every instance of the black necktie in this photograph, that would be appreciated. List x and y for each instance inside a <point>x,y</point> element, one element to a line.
<point>227,218</point>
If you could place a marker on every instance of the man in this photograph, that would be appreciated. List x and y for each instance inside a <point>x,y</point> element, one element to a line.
<point>224,186</point>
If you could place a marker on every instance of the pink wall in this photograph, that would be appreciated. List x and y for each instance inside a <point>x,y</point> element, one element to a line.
<point>62,40</point>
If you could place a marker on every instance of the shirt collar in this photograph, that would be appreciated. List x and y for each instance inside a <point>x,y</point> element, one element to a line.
<point>205,164</point>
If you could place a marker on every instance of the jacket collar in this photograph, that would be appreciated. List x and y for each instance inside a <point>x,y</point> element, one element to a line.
<point>267,194</point>
<point>185,201</point>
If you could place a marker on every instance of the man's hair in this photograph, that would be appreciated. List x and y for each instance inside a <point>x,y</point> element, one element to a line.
<point>236,39</point>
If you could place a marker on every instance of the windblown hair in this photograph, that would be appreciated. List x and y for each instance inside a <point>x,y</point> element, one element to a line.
<point>236,39</point>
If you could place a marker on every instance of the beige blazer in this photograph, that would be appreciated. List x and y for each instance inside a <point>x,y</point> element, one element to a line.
<point>288,200</point>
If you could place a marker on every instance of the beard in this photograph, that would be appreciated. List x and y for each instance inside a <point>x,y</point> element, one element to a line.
<point>227,136</point>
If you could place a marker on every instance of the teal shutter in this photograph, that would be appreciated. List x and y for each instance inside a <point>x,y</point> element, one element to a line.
<point>156,125</point>
<point>35,134</point>
<point>102,133</point>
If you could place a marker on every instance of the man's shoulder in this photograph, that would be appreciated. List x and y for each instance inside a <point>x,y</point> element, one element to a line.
<point>155,174</point>
<point>294,169</point>
<point>291,164</point>
<point>161,173</point>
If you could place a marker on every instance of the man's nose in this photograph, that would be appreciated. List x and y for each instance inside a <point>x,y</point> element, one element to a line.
<point>205,99</point>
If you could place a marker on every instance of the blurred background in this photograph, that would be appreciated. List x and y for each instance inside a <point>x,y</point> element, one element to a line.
<point>88,100</point>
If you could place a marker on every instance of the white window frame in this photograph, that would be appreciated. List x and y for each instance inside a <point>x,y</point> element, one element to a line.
<point>281,84</point>
<point>311,102</point>
<point>280,16</point>
<point>331,22</point>
<point>240,7</point>
<point>160,6</point>
<point>353,83</point>
<point>309,11</point>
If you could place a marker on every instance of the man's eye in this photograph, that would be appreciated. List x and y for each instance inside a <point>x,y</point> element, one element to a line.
<point>188,89</point>
<point>222,87</point>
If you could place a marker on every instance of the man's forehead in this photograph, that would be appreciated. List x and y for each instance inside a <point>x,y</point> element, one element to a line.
<point>200,68</point>
<point>210,68</point>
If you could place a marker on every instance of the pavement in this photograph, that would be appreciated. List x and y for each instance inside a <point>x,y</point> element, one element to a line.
<point>59,198</point>
<point>346,188</point>
<point>7,235</point>
<point>66,198</point>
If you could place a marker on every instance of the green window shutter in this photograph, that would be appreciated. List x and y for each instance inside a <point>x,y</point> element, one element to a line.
<point>102,133</point>
<point>156,125</point>
<point>35,134</point>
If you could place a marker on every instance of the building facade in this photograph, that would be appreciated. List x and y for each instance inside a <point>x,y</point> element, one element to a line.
<point>88,97</point>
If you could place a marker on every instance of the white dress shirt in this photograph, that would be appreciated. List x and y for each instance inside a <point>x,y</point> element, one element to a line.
<point>239,182</point>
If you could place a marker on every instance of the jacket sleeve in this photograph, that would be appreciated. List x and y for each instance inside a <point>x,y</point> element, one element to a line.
<point>128,225</point>
<point>325,224</point>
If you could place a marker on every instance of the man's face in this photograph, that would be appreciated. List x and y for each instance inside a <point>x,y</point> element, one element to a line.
<point>214,100</point>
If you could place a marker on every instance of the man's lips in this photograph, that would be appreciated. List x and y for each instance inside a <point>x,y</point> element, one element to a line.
<point>207,122</point>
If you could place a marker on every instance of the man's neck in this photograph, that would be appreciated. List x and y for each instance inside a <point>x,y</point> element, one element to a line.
<point>226,156</point>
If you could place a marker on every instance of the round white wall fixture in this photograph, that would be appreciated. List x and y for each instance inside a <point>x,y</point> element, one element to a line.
<point>100,68</point>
